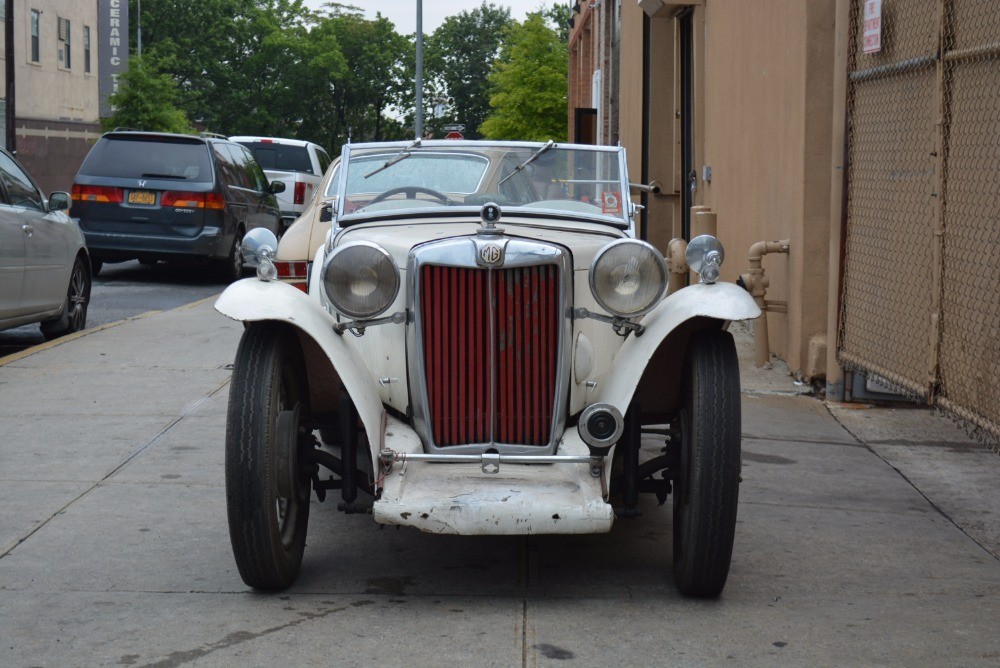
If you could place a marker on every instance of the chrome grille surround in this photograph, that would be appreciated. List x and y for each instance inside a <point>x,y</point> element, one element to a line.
<point>464,253</point>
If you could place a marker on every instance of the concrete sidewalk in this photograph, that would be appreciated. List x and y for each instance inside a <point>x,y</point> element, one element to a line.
<point>866,536</point>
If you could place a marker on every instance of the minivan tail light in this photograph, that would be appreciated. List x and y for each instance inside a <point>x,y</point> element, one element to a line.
<point>105,194</point>
<point>295,273</point>
<point>190,200</point>
<point>300,192</point>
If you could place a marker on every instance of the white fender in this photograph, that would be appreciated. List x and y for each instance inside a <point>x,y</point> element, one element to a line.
<point>721,301</point>
<point>252,300</point>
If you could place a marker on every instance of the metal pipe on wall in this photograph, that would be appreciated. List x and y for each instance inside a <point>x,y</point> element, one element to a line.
<point>756,284</point>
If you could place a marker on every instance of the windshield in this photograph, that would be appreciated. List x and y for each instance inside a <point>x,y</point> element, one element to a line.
<point>561,180</point>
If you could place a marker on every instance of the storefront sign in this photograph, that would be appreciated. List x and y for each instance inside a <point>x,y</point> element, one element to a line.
<point>112,48</point>
<point>873,27</point>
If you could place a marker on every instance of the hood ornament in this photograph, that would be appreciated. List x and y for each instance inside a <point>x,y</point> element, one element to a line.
<point>490,214</point>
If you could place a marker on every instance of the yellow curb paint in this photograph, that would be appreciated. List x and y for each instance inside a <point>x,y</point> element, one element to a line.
<point>27,352</point>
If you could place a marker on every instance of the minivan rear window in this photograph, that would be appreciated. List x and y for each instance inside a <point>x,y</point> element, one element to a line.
<point>281,157</point>
<point>133,157</point>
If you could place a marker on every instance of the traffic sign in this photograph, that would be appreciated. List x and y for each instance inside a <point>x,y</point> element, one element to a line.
<point>454,134</point>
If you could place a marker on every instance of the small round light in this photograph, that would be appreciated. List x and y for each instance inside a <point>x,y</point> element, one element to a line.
<point>258,244</point>
<point>628,278</point>
<point>361,279</point>
<point>601,425</point>
<point>704,256</point>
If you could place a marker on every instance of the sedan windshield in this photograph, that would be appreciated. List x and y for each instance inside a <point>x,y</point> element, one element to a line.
<point>432,177</point>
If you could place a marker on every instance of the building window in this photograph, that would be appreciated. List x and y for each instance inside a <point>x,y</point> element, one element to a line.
<point>35,20</point>
<point>86,49</point>
<point>64,54</point>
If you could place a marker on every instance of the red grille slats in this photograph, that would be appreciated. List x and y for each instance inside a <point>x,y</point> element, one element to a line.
<point>458,308</point>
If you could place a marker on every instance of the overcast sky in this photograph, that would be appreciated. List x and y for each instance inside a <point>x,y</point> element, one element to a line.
<point>403,13</point>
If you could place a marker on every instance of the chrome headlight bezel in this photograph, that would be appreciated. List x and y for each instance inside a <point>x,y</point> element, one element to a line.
<point>383,274</point>
<point>642,252</point>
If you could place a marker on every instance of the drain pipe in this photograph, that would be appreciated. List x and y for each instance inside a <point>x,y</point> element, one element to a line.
<point>676,265</point>
<point>756,284</point>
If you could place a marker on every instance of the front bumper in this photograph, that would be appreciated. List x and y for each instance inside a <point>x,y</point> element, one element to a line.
<point>520,499</point>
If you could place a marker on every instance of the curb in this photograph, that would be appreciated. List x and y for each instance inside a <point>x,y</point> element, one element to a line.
<point>28,352</point>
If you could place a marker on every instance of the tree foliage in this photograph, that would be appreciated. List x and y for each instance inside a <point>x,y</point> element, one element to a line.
<point>275,67</point>
<point>460,55</point>
<point>146,100</point>
<point>530,85</point>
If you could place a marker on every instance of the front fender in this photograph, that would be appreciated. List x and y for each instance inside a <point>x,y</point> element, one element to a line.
<point>253,300</point>
<point>719,301</point>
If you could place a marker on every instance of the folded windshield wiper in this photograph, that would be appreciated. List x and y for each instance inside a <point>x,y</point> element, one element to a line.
<point>154,175</point>
<point>402,155</point>
<point>534,156</point>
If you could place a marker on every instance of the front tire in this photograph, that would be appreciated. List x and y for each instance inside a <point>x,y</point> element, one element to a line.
<point>267,491</point>
<point>707,485</point>
<point>74,315</point>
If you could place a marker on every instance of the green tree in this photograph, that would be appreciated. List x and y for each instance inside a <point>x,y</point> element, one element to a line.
<point>146,100</point>
<point>530,85</point>
<point>378,77</point>
<point>460,54</point>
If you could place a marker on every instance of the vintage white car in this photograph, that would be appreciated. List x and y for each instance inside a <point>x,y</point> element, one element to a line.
<point>485,347</point>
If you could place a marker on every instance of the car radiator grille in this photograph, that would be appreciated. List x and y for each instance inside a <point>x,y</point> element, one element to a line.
<point>490,345</point>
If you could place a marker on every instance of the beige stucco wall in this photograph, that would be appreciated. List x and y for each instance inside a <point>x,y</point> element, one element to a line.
<point>47,90</point>
<point>768,86</point>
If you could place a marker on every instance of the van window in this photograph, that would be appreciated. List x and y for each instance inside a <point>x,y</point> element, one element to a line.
<point>252,172</point>
<point>281,157</point>
<point>137,157</point>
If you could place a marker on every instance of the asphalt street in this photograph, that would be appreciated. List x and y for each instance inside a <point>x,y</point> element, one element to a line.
<point>867,536</point>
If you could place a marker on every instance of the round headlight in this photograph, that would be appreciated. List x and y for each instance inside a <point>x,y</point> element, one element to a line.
<point>628,278</point>
<point>361,280</point>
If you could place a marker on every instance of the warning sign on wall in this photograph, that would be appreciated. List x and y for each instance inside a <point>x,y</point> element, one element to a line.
<point>872,27</point>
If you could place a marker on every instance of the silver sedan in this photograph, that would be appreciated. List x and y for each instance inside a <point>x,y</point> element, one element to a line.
<point>45,272</point>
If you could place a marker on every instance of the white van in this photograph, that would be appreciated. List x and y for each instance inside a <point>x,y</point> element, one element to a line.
<point>299,164</point>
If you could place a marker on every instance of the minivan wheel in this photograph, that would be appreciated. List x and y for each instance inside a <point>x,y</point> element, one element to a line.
<point>232,267</point>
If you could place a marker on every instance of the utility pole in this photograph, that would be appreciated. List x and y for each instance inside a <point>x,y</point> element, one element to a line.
<point>418,123</point>
<point>138,25</point>
<point>9,135</point>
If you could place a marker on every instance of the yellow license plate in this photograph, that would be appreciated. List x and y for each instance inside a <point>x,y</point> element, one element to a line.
<point>141,197</point>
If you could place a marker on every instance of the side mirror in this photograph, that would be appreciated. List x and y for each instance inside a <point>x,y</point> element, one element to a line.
<point>277,187</point>
<point>59,201</point>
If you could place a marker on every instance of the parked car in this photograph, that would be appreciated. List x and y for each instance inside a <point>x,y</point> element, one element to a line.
<point>160,196</point>
<point>300,164</point>
<point>44,266</point>
<point>301,241</point>
<point>485,347</point>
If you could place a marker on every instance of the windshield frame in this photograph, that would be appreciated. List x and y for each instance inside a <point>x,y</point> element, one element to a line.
<point>623,221</point>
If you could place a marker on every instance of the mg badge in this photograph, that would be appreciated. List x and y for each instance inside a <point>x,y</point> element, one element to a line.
<point>491,254</point>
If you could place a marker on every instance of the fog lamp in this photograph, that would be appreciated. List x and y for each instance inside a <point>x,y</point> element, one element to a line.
<point>600,427</point>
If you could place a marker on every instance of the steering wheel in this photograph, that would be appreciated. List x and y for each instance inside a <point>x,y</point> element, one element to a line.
<point>411,193</point>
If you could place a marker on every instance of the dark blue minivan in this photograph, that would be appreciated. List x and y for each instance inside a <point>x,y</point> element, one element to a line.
<point>156,196</point>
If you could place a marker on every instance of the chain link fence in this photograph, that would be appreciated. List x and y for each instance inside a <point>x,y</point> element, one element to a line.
<point>921,296</point>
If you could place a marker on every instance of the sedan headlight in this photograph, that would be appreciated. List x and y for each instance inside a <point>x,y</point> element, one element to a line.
<point>360,279</point>
<point>628,278</point>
